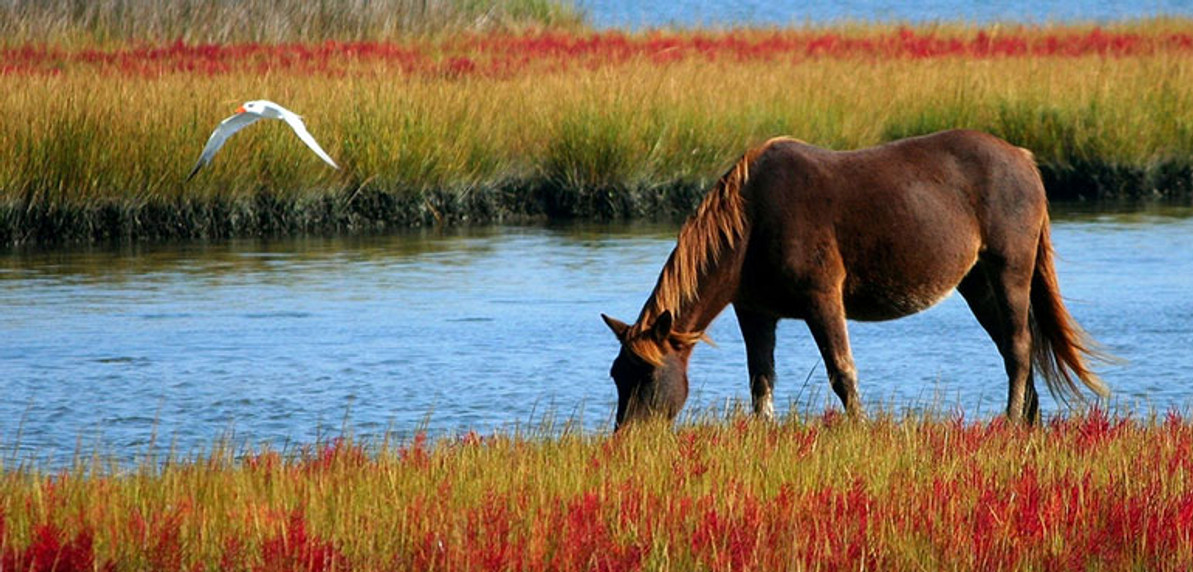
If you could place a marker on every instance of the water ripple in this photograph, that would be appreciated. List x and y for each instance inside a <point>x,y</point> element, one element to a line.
<point>288,341</point>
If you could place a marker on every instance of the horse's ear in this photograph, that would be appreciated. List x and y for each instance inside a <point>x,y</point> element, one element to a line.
<point>661,330</point>
<point>619,327</point>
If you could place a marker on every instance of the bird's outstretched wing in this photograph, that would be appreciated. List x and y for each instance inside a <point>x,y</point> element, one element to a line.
<point>295,122</point>
<point>222,132</point>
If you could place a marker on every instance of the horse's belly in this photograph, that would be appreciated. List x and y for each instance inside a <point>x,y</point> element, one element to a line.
<point>886,293</point>
<point>875,306</point>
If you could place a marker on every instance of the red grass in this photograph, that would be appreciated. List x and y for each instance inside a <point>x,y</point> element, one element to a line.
<point>992,509</point>
<point>293,548</point>
<point>503,55</point>
<point>51,550</point>
<point>980,521</point>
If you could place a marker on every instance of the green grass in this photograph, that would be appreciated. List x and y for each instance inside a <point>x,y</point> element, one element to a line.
<point>101,150</point>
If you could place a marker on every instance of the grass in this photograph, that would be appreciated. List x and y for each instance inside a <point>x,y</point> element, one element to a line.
<point>268,21</point>
<point>494,126</point>
<point>1088,492</point>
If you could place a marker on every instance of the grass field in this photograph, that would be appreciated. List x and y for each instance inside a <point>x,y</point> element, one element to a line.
<point>443,112</point>
<point>69,22</point>
<point>481,126</point>
<point>1088,492</point>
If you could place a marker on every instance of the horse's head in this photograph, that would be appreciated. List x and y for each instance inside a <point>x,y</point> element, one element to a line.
<point>651,371</point>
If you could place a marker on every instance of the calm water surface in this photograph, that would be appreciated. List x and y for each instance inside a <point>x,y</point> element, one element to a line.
<point>689,13</point>
<point>286,341</point>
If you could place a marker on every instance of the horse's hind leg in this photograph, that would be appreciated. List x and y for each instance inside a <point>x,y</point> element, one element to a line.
<point>758,331</point>
<point>826,320</point>
<point>999,298</point>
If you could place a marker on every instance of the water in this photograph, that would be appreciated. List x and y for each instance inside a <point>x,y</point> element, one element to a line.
<point>292,340</point>
<point>689,13</point>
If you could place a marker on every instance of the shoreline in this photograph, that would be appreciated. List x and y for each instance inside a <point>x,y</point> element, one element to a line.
<point>370,209</point>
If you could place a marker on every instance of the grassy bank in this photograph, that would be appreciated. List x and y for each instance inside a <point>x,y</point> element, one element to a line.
<point>484,127</point>
<point>1090,492</point>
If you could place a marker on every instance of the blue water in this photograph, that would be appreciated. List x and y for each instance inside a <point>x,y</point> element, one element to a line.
<point>690,13</point>
<point>288,341</point>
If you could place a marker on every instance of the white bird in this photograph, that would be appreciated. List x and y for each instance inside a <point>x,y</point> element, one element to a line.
<point>249,113</point>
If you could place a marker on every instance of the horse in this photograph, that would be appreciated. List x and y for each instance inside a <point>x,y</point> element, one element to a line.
<point>792,230</point>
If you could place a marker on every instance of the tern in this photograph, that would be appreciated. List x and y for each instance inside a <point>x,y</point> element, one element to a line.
<point>249,113</point>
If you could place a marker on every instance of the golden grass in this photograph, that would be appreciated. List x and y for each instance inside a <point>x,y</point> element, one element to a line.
<point>92,135</point>
<point>87,136</point>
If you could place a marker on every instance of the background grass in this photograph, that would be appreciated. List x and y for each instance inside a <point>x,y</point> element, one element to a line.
<point>500,127</point>
<point>269,21</point>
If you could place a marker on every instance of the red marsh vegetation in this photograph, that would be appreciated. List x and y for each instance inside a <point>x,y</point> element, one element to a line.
<point>1090,491</point>
<point>504,54</point>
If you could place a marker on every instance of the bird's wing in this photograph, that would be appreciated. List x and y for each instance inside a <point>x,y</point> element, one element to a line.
<point>222,132</point>
<point>295,123</point>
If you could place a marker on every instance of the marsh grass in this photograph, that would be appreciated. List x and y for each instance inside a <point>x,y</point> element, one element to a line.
<point>901,491</point>
<point>103,154</point>
<point>269,21</point>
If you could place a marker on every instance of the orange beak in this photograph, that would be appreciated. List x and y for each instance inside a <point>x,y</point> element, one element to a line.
<point>240,109</point>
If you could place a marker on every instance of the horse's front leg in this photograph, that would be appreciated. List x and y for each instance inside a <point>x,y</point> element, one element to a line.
<point>758,331</point>
<point>826,320</point>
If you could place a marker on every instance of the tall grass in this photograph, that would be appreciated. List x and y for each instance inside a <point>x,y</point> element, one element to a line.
<point>1093,491</point>
<point>493,126</point>
<point>268,21</point>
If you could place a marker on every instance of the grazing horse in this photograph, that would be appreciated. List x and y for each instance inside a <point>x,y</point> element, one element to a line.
<point>796,231</point>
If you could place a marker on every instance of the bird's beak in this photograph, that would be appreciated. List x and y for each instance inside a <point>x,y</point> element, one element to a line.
<point>240,109</point>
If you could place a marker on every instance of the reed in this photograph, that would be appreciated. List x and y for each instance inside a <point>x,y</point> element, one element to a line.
<point>497,127</point>
<point>911,491</point>
<point>268,21</point>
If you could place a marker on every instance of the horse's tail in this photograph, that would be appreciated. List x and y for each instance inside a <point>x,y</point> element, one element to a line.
<point>1060,347</point>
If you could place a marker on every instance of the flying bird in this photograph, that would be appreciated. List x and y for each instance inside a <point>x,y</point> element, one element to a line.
<point>249,113</point>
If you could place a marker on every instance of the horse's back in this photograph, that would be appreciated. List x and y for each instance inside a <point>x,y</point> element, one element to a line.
<point>952,177</point>
<point>897,225</point>
<point>960,158</point>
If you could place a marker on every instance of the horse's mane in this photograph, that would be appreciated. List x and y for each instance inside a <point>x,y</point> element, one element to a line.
<point>716,227</point>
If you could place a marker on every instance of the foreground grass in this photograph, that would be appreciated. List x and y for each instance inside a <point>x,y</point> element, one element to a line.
<point>493,126</point>
<point>1087,492</point>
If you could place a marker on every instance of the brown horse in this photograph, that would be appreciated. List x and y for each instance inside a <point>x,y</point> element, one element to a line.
<point>796,231</point>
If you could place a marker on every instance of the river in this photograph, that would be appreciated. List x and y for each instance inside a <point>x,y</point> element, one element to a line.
<point>631,14</point>
<point>289,341</point>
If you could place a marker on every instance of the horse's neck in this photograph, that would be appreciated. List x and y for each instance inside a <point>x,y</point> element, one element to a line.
<point>707,293</point>
<point>702,274</point>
